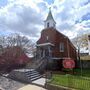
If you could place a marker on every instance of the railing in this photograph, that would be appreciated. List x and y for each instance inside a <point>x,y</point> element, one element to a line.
<point>42,65</point>
<point>76,82</point>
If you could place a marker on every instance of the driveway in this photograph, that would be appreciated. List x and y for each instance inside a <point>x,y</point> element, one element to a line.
<point>31,87</point>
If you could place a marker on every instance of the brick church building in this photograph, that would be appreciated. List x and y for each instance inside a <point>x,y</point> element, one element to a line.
<point>54,45</point>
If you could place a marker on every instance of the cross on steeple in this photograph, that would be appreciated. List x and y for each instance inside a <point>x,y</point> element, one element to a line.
<point>50,22</point>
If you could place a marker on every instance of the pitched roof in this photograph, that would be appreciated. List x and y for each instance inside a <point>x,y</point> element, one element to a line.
<point>55,33</point>
<point>50,17</point>
<point>49,31</point>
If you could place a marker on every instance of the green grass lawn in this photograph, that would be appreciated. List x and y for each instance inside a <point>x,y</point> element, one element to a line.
<point>77,82</point>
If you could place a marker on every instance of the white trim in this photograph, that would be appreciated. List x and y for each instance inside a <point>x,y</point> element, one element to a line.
<point>44,44</point>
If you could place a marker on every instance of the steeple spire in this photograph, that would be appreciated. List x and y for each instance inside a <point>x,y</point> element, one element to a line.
<point>49,17</point>
<point>50,22</point>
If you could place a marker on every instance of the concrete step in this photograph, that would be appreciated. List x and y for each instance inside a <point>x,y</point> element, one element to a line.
<point>35,78</point>
<point>33,75</point>
<point>25,75</point>
<point>32,72</point>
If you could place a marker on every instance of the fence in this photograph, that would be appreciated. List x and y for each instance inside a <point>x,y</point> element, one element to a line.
<point>81,83</point>
<point>76,82</point>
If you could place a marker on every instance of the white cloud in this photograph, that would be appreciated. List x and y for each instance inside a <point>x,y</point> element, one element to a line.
<point>70,34</point>
<point>70,11</point>
<point>21,16</point>
<point>83,27</point>
<point>27,16</point>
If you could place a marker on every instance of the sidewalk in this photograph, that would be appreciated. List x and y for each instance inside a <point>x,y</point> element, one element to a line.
<point>31,87</point>
<point>9,84</point>
<point>1,88</point>
<point>40,81</point>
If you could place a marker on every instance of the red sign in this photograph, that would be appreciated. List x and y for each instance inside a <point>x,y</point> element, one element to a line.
<point>68,63</point>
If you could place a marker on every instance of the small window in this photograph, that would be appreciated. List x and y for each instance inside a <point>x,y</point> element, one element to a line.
<point>47,37</point>
<point>47,24</point>
<point>61,47</point>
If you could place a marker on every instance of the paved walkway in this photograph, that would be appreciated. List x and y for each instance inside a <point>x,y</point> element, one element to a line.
<point>1,88</point>
<point>40,81</point>
<point>9,84</point>
<point>31,87</point>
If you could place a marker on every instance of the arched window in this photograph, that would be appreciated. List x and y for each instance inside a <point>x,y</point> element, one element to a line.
<point>48,24</point>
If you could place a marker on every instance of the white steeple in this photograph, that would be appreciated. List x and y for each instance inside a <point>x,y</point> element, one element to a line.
<point>50,22</point>
<point>89,44</point>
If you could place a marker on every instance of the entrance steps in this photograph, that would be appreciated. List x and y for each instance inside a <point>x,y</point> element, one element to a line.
<point>25,75</point>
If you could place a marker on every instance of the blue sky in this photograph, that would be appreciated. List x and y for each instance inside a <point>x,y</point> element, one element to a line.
<point>3,3</point>
<point>49,1</point>
<point>26,16</point>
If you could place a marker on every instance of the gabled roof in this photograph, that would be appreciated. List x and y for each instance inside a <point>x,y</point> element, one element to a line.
<point>55,33</point>
<point>50,17</point>
<point>52,31</point>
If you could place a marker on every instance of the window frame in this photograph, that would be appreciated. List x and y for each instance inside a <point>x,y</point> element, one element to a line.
<point>61,47</point>
<point>48,24</point>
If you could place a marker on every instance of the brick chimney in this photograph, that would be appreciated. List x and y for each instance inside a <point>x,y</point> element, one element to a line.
<point>89,44</point>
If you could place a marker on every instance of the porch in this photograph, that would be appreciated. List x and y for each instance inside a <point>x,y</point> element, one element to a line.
<point>45,50</point>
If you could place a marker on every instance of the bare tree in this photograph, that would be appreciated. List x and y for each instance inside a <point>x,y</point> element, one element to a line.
<point>2,43</point>
<point>18,40</point>
<point>12,47</point>
<point>81,42</point>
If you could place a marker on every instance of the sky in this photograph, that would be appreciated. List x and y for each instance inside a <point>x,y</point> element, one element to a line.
<point>27,16</point>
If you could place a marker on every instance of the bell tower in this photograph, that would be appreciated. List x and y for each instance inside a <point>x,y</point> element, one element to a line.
<point>49,22</point>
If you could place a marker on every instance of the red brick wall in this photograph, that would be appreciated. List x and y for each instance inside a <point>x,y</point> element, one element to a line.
<point>55,38</point>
